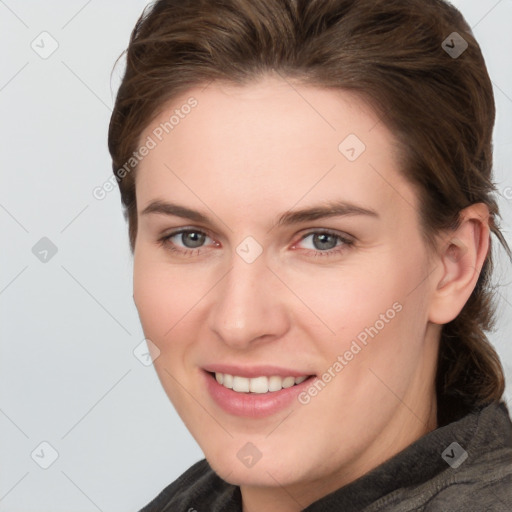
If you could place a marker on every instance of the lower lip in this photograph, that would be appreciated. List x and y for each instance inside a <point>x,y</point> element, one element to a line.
<point>253,405</point>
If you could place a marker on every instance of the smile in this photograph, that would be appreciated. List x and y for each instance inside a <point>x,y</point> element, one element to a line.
<point>259,385</point>
<point>255,397</point>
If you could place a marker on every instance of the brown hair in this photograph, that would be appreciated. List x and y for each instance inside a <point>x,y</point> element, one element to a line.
<point>439,106</point>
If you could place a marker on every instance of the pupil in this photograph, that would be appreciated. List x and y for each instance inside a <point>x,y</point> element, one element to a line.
<point>321,241</point>
<point>195,238</point>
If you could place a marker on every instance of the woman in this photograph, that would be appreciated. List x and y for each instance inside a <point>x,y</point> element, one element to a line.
<point>309,196</point>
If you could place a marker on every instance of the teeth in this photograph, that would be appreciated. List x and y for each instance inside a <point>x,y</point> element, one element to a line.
<point>288,382</point>
<point>227,381</point>
<point>241,384</point>
<point>275,384</point>
<point>257,384</point>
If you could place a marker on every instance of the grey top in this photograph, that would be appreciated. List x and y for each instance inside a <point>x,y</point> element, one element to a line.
<point>463,466</point>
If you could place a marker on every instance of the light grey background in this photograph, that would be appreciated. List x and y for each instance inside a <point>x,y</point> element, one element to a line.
<point>68,374</point>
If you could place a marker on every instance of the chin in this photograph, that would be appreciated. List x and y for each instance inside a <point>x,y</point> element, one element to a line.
<point>261,473</point>
<point>257,476</point>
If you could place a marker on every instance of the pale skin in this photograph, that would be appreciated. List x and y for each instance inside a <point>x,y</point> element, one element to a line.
<point>243,157</point>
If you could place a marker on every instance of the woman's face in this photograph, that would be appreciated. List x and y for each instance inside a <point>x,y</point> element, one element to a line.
<point>277,241</point>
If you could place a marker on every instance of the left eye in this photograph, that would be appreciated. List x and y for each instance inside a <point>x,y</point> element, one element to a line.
<point>324,241</point>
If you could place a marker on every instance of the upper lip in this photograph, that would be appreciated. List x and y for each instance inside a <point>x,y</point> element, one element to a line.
<point>255,371</point>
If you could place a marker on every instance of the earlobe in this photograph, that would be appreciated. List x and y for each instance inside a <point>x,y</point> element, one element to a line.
<point>461,257</point>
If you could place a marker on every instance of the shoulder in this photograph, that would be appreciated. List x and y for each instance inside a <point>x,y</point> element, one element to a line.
<point>478,473</point>
<point>483,481</point>
<point>198,488</point>
<point>484,494</point>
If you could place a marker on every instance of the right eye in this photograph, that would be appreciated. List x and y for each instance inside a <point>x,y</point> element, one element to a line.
<point>185,241</point>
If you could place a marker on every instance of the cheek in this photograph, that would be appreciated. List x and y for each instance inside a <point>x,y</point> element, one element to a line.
<point>162,298</point>
<point>369,303</point>
<point>347,299</point>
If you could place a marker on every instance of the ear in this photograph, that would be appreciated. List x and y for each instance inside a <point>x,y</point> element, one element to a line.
<point>462,253</point>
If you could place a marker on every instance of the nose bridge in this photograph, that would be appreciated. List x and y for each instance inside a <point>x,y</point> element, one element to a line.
<point>247,303</point>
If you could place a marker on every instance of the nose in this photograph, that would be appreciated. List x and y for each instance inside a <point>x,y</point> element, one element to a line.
<point>249,305</point>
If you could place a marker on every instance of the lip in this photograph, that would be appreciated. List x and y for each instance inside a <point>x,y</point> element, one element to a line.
<point>253,405</point>
<point>255,371</point>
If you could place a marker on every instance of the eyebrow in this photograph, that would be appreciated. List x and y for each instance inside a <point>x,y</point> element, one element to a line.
<point>325,210</point>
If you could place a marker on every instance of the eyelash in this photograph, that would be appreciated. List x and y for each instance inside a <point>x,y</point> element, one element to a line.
<point>346,243</point>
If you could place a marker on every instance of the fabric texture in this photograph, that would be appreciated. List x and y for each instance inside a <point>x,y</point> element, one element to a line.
<point>463,466</point>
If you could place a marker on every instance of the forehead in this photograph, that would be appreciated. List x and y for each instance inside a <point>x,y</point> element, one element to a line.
<point>270,142</point>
